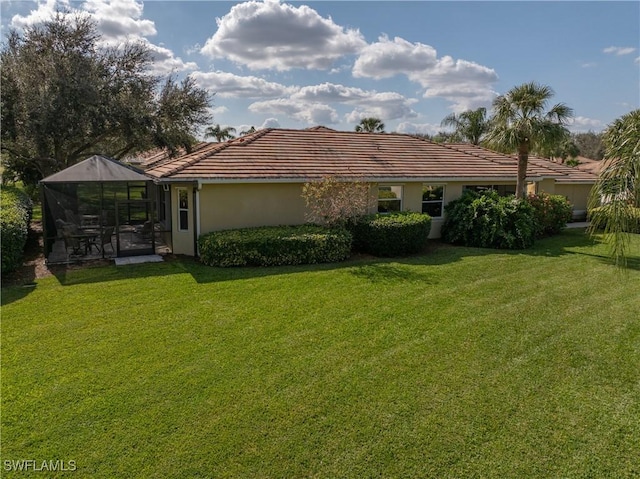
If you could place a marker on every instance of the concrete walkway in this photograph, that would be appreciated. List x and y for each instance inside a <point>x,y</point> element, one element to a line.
<point>578,224</point>
<point>150,258</point>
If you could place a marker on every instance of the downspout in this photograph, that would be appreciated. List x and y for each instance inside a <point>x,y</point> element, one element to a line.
<point>196,218</point>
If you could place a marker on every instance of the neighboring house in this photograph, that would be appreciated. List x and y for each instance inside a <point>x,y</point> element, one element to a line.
<point>257,179</point>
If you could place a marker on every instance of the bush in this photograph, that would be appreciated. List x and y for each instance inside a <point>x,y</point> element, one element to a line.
<point>600,215</point>
<point>488,220</point>
<point>551,212</point>
<point>275,245</point>
<point>15,214</point>
<point>393,234</point>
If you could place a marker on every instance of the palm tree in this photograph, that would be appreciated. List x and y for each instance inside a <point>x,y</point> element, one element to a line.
<point>246,132</point>
<point>370,125</point>
<point>521,123</point>
<point>470,125</point>
<point>614,203</point>
<point>219,133</point>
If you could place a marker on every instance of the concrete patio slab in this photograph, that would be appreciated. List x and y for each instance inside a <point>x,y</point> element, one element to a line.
<point>150,258</point>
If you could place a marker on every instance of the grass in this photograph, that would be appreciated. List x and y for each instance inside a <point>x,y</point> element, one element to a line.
<point>459,363</point>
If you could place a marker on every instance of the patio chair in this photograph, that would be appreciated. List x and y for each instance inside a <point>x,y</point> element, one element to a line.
<point>70,242</point>
<point>106,238</point>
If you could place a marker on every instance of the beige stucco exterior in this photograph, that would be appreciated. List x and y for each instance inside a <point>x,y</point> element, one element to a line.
<point>242,205</point>
<point>227,206</point>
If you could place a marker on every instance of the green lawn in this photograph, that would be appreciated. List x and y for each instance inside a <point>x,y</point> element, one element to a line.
<point>458,363</point>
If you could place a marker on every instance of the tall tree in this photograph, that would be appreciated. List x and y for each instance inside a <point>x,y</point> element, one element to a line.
<point>469,126</point>
<point>64,98</point>
<point>219,133</point>
<point>521,123</point>
<point>615,198</point>
<point>589,144</point>
<point>370,125</point>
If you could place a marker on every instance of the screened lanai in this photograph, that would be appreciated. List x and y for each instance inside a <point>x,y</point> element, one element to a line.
<point>99,208</point>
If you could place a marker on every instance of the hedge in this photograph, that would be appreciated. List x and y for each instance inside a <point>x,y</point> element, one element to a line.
<point>487,220</point>
<point>15,214</point>
<point>394,234</point>
<point>275,245</point>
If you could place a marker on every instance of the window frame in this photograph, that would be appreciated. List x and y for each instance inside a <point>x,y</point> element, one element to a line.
<point>400,199</point>
<point>431,202</point>
<point>182,209</point>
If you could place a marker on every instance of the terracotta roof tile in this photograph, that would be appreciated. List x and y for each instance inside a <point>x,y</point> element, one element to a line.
<point>301,155</point>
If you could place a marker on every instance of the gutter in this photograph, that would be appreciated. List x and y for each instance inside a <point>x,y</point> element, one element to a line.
<point>430,179</point>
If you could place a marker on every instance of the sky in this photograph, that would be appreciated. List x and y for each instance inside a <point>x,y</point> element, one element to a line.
<point>300,64</point>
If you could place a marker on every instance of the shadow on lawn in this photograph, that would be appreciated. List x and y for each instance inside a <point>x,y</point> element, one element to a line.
<point>375,270</point>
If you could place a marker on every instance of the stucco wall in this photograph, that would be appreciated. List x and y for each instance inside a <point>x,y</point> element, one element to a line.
<point>248,205</point>
<point>227,206</point>
<point>578,196</point>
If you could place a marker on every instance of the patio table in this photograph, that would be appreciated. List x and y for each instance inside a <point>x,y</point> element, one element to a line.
<point>88,238</point>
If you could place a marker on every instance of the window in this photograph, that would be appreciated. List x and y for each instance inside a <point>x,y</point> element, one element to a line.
<point>432,200</point>
<point>389,199</point>
<point>502,190</point>
<point>183,209</point>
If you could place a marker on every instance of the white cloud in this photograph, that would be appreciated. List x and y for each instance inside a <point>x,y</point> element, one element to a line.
<point>274,35</point>
<point>420,128</point>
<point>270,123</point>
<point>229,85</point>
<point>164,61</point>
<point>581,123</point>
<point>384,105</point>
<point>117,21</point>
<point>589,65</point>
<point>618,51</point>
<point>466,84</point>
<point>45,11</point>
<point>387,58</point>
<point>311,113</point>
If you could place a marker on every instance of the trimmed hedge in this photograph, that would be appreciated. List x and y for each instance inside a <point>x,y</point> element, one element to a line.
<point>394,234</point>
<point>274,246</point>
<point>15,214</point>
<point>488,220</point>
<point>551,212</point>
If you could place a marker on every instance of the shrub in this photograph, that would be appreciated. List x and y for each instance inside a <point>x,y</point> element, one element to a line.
<point>393,234</point>
<point>551,212</point>
<point>488,220</point>
<point>599,217</point>
<point>275,245</point>
<point>335,201</point>
<point>15,214</point>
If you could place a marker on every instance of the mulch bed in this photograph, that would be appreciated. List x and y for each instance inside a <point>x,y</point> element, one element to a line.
<point>34,265</point>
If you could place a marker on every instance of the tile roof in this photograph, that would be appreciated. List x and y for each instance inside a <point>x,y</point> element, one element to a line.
<point>536,166</point>
<point>157,156</point>
<point>301,155</point>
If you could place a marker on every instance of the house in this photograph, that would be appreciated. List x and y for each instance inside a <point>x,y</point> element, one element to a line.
<point>257,179</point>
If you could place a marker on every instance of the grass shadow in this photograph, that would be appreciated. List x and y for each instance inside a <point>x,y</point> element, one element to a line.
<point>375,270</point>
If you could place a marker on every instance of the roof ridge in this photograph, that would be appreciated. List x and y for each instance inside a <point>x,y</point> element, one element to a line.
<point>218,147</point>
<point>197,156</point>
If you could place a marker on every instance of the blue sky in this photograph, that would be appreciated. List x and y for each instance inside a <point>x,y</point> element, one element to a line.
<point>299,64</point>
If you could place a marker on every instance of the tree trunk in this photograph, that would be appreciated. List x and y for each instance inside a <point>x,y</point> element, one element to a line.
<point>523,159</point>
